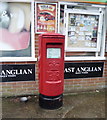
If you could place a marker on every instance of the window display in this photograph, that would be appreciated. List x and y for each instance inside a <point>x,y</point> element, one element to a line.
<point>83,31</point>
<point>15,31</point>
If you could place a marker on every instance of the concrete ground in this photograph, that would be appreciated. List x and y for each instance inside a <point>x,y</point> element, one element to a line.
<point>82,105</point>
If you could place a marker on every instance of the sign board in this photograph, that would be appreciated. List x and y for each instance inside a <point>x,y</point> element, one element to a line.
<point>83,70</point>
<point>20,72</point>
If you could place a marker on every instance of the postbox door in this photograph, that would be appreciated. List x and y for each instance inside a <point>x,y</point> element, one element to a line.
<point>54,72</point>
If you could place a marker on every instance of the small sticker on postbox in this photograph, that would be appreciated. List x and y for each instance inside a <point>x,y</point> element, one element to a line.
<point>53,53</point>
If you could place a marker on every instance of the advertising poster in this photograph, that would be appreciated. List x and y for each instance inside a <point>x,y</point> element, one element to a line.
<point>15,29</point>
<point>46,17</point>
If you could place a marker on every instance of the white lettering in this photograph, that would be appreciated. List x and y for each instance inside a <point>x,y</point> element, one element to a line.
<point>67,70</point>
<point>24,72</point>
<point>70,69</point>
<point>15,72</point>
<point>8,71</point>
<point>30,71</point>
<point>83,68</point>
<point>95,69</point>
<point>99,68</point>
<point>2,72</point>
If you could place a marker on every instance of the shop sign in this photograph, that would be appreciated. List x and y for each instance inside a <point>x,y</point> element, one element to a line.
<point>83,70</point>
<point>45,17</point>
<point>22,72</point>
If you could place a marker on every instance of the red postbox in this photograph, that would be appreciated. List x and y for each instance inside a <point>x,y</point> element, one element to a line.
<point>51,70</point>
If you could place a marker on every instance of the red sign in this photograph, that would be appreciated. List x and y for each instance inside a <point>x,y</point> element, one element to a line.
<point>46,17</point>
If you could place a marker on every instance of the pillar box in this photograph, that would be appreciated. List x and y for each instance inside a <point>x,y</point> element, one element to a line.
<point>51,70</point>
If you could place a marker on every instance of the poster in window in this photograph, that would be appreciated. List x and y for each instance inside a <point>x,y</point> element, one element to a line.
<point>15,30</point>
<point>82,31</point>
<point>45,18</point>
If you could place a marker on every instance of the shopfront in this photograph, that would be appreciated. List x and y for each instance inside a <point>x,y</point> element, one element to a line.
<point>82,23</point>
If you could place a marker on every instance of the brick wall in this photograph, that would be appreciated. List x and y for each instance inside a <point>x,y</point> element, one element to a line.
<point>87,84</point>
<point>70,85</point>
<point>22,87</point>
<point>19,88</point>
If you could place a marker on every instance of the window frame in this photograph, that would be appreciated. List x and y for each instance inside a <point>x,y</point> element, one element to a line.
<point>99,55</point>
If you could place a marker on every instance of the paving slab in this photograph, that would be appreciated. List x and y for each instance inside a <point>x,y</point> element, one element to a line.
<point>82,105</point>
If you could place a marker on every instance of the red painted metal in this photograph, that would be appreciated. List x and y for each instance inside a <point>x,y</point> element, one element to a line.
<point>51,70</point>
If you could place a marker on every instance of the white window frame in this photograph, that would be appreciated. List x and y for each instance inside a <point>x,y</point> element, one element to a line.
<point>102,42</point>
<point>37,2</point>
<point>106,30</point>
<point>32,58</point>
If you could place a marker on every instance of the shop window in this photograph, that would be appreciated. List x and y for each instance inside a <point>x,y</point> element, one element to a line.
<point>84,28</point>
<point>16,30</point>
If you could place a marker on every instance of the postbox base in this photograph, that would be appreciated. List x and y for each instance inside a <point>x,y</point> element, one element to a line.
<point>50,102</point>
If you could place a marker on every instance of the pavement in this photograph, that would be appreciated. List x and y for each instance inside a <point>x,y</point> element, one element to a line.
<point>81,105</point>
